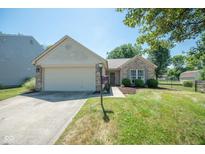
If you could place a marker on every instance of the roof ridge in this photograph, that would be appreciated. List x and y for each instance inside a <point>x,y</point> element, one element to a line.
<point>2,34</point>
<point>118,58</point>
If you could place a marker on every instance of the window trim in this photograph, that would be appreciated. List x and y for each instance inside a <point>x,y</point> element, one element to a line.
<point>136,70</point>
<point>131,74</point>
<point>143,73</point>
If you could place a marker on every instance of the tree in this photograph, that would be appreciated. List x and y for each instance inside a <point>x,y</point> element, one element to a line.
<point>125,51</point>
<point>161,58</point>
<point>202,74</point>
<point>178,63</point>
<point>196,56</point>
<point>171,73</point>
<point>172,25</point>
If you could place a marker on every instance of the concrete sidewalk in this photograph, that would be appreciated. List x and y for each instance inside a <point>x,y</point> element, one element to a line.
<point>116,92</point>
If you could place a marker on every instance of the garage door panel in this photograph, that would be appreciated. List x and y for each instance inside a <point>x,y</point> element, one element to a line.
<point>69,79</point>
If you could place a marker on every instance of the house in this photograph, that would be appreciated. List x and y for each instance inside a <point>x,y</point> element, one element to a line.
<point>190,76</point>
<point>132,68</point>
<point>16,54</point>
<point>69,66</point>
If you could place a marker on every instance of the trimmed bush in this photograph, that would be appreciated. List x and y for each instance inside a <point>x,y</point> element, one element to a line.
<point>152,83</point>
<point>126,82</point>
<point>139,83</point>
<point>30,84</point>
<point>188,84</point>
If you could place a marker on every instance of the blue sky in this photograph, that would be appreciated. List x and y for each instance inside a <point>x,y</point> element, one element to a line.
<point>101,30</point>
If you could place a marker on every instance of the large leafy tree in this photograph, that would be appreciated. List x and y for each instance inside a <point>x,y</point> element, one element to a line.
<point>178,62</point>
<point>196,56</point>
<point>125,51</point>
<point>161,58</point>
<point>172,25</point>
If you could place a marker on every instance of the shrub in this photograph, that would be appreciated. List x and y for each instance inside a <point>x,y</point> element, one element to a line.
<point>29,84</point>
<point>152,83</point>
<point>187,83</point>
<point>126,82</point>
<point>139,83</point>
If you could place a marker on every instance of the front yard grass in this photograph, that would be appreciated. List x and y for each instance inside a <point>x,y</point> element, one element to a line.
<point>11,92</point>
<point>177,87</point>
<point>148,117</point>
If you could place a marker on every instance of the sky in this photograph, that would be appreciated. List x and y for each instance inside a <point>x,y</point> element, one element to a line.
<point>100,30</point>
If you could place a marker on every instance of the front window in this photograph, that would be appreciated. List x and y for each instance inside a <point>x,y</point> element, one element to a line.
<point>136,74</point>
<point>133,75</point>
<point>141,74</point>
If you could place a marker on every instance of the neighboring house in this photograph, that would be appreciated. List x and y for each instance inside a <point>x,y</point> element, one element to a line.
<point>190,75</point>
<point>69,66</point>
<point>16,54</point>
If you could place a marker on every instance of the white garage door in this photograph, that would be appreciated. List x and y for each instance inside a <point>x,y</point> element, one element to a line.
<point>69,79</point>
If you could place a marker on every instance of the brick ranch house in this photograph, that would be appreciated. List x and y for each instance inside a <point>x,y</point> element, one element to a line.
<point>69,66</point>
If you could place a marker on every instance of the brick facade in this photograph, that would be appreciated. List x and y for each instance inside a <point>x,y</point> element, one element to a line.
<point>39,79</point>
<point>137,63</point>
<point>97,77</point>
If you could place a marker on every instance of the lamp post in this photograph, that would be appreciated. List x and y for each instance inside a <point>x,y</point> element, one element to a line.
<point>100,65</point>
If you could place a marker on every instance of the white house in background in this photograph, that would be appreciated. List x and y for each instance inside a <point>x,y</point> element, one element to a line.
<point>69,66</point>
<point>190,76</point>
<point>16,54</point>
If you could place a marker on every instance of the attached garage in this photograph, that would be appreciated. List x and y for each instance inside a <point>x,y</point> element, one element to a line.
<point>68,66</point>
<point>69,79</point>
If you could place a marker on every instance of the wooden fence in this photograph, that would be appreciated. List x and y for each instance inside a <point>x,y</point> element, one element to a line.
<point>200,86</point>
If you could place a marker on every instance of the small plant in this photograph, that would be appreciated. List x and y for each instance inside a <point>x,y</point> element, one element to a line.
<point>188,84</point>
<point>152,83</point>
<point>29,84</point>
<point>139,83</point>
<point>126,82</point>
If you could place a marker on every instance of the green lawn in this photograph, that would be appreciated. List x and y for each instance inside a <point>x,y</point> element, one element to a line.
<point>11,92</point>
<point>148,117</point>
<point>168,82</point>
<point>177,87</point>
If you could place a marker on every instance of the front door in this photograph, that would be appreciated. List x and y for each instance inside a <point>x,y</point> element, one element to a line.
<point>112,78</point>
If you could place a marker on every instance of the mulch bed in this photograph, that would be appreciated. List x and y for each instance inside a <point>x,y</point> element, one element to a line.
<point>128,90</point>
<point>132,90</point>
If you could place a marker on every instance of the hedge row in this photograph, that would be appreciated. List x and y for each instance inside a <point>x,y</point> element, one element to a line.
<point>151,83</point>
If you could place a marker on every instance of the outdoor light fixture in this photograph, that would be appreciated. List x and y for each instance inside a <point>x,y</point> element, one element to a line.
<point>100,65</point>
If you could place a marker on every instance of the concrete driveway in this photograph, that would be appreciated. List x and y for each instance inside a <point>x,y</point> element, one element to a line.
<point>38,118</point>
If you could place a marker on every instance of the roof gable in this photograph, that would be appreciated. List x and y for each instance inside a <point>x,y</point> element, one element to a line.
<point>116,63</point>
<point>68,51</point>
<point>142,59</point>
